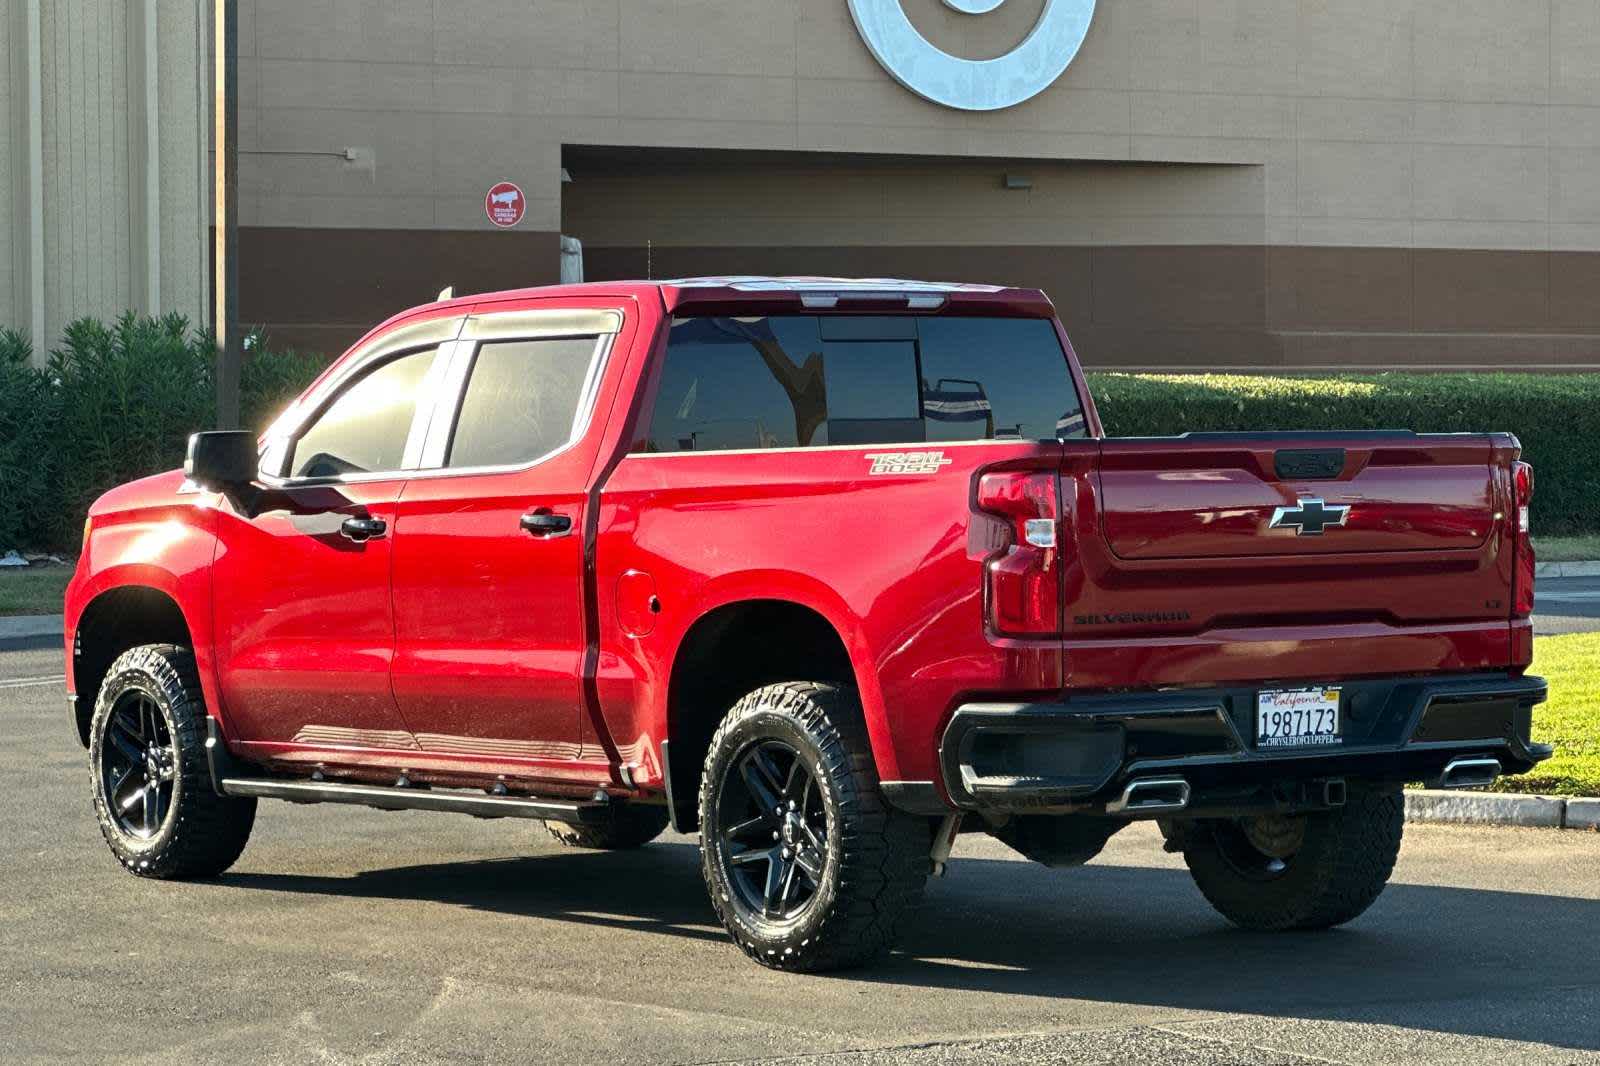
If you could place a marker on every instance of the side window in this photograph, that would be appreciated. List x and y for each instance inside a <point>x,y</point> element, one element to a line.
<point>741,383</point>
<point>521,400</point>
<point>364,430</point>
<point>1004,378</point>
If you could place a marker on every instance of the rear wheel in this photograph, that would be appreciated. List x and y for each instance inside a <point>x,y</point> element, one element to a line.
<point>629,825</point>
<point>152,789</point>
<point>1310,871</point>
<point>808,867</point>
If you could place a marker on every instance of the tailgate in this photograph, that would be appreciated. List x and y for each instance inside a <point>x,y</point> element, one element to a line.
<point>1211,558</point>
<point>1210,496</point>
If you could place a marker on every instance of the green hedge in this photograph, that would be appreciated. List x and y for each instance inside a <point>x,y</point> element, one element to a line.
<point>1556,416</point>
<point>111,404</point>
<point>117,402</point>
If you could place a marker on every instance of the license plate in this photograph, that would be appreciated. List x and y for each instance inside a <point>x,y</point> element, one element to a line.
<point>1297,718</point>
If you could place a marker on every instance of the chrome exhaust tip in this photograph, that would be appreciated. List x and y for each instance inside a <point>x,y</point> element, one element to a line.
<point>1475,772</point>
<point>1151,795</point>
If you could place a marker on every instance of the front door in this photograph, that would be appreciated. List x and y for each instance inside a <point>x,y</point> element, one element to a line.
<point>488,564</point>
<point>303,617</point>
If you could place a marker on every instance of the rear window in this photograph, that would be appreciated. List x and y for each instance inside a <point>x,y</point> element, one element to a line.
<point>786,381</point>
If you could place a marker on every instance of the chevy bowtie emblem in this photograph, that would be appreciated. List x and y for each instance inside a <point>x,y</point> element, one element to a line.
<point>1309,517</point>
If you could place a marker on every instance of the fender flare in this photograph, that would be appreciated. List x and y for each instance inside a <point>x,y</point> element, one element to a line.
<point>194,609</point>
<point>787,586</point>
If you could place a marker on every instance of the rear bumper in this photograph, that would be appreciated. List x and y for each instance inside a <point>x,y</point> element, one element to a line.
<point>1082,754</point>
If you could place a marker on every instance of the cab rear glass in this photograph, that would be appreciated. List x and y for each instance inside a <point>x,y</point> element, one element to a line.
<point>797,381</point>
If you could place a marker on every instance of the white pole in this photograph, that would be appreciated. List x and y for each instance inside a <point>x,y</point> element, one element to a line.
<point>41,343</point>
<point>152,158</point>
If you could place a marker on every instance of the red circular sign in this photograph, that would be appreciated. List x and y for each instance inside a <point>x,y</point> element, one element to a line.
<point>505,204</point>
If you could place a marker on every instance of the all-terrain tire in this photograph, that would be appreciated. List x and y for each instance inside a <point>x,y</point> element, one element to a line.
<point>875,859</point>
<point>1340,868</point>
<point>201,833</point>
<point>630,825</point>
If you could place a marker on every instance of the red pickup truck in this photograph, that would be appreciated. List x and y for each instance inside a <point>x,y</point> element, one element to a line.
<point>828,570</point>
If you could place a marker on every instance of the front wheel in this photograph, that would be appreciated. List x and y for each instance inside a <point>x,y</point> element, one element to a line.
<point>808,868</point>
<point>152,790</point>
<point>1310,871</point>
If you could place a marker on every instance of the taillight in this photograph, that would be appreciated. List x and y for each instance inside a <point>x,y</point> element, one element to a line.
<point>1023,578</point>
<point>1523,568</point>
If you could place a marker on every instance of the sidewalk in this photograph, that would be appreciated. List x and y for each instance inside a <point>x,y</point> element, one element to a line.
<point>25,631</point>
<point>1590,568</point>
<point>1502,808</point>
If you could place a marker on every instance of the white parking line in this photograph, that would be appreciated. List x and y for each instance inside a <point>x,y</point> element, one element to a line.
<point>30,682</point>
<point>1587,596</point>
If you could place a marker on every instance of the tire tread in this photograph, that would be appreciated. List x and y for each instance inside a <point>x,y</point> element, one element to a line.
<point>883,852</point>
<point>210,831</point>
<point>1350,862</point>
<point>631,825</point>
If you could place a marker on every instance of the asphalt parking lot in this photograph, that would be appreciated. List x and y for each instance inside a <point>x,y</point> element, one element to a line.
<point>353,936</point>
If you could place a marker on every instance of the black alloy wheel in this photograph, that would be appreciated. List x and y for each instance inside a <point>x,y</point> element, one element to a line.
<point>776,841</point>
<point>808,867</point>
<point>152,789</point>
<point>138,765</point>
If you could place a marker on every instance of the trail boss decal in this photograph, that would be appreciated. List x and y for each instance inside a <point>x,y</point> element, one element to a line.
<point>907,462</point>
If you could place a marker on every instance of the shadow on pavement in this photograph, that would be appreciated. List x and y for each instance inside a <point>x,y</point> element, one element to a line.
<point>1103,933</point>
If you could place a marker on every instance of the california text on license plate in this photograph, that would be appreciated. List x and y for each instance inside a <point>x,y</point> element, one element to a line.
<point>1297,717</point>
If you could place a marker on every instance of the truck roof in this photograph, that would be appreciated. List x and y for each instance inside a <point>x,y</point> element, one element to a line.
<point>747,293</point>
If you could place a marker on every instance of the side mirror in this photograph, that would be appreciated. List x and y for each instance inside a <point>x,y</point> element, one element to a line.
<point>221,459</point>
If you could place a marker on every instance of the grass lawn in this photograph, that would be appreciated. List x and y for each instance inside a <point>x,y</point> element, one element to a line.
<point>36,590</point>
<point>1570,720</point>
<point>1566,549</point>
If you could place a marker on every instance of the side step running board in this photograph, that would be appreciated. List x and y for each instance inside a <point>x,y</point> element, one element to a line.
<point>478,804</point>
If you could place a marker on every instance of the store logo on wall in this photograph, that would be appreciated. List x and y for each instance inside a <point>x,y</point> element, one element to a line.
<point>974,84</point>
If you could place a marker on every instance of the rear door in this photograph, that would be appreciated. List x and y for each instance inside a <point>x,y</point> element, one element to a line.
<point>489,546</point>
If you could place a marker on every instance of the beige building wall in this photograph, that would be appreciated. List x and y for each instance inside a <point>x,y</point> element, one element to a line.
<point>101,156</point>
<point>1214,182</point>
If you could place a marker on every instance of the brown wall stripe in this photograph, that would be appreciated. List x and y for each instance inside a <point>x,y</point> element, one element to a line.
<point>1180,306</point>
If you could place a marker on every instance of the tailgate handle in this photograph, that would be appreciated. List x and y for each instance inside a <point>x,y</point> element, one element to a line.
<point>1308,464</point>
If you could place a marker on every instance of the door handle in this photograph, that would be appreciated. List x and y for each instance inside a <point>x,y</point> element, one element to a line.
<point>363,529</point>
<point>545,524</point>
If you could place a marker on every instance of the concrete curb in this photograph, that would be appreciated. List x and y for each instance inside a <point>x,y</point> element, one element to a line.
<point>1589,568</point>
<point>22,632</point>
<point>1501,808</point>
